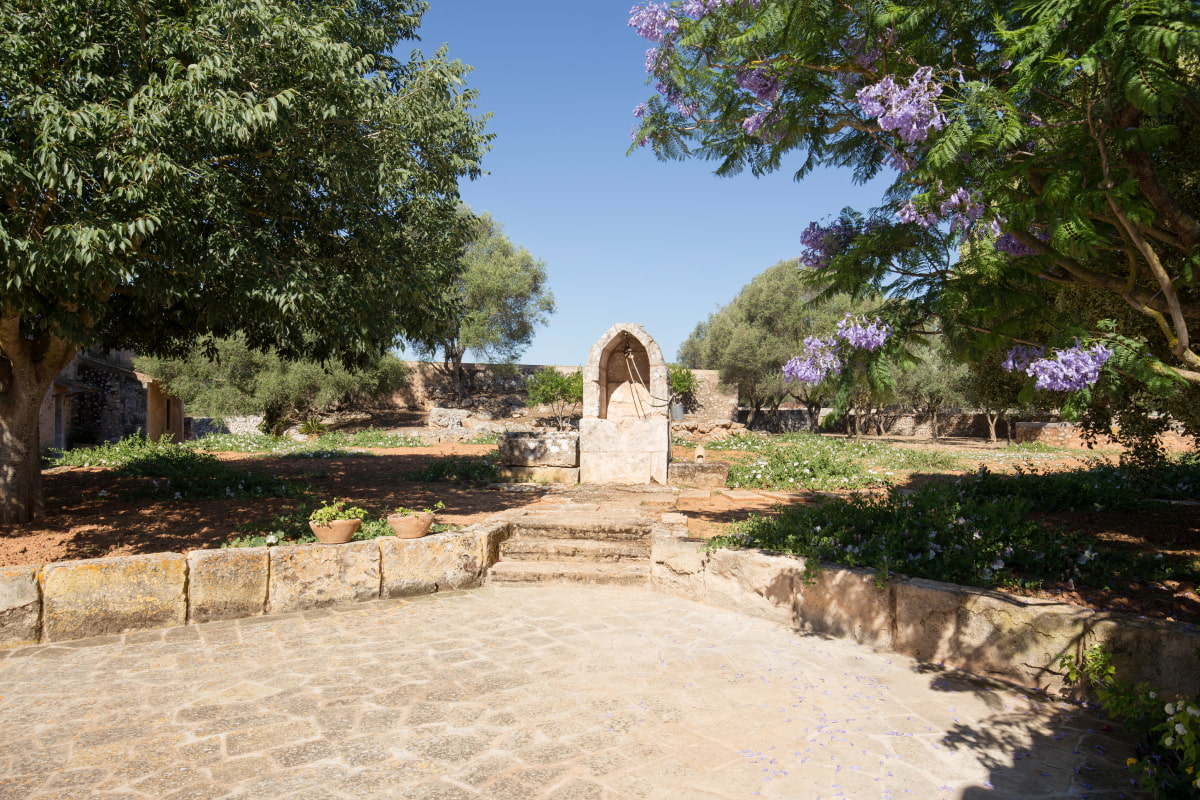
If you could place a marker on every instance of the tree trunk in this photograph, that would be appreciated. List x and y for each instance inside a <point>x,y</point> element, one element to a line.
<point>933,423</point>
<point>27,369</point>
<point>452,365</point>
<point>992,416</point>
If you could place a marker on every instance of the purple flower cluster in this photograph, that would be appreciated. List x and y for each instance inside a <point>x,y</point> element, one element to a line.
<point>654,22</point>
<point>1015,247</point>
<point>911,111</point>
<point>1020,357</point>
<point>818,361</point>
<point>822,242</point>
<point>701,8</point>
<point>858,332</point>
<point>759,83</point>
<point>1069,370</point>
<point>962,207</point>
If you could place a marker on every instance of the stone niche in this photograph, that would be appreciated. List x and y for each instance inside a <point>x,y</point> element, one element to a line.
<point>625,435</point>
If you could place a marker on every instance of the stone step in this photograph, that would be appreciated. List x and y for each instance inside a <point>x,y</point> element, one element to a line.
<point>558,526</point>
<point>514,572</point>
<point>522,548</point>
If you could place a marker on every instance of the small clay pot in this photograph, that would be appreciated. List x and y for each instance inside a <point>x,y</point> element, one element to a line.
<point>339,531</point>
<point>411,526</point>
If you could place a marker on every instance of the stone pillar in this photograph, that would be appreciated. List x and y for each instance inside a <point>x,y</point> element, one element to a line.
<point>625,435</point>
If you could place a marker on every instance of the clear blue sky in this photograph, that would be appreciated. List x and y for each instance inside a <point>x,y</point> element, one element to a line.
<point>624,238</point>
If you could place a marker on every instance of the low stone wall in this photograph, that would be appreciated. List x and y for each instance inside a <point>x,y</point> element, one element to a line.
<point>1015,639</point>
<point>102,596</point>
<point>1066,434</point>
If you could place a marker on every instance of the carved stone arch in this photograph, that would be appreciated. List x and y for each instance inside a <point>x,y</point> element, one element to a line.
<point>626,376</point>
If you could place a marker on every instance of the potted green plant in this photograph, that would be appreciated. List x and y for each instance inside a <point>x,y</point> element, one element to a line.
<point>312,428</point>
<point>333,523</point>
<point>409,523</point>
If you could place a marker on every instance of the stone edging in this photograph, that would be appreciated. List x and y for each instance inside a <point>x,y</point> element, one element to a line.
<point>989,633</point>
<point>101,596</point>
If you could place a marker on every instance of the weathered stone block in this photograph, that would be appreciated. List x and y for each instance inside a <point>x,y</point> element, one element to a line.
<point>707,474</point>
<point>550,449</point>
<point>627,451</point>
<point>1016,638</point>
<point>555,475</point>
<point>227,584</point>
<point>755,583</point>
<point>20,606</point>
<point>677,566</point>
<point>317,575</point>
<point>109,595</point>
<point>845,603</point>
<point>1163,654</point>
<point>453,560</point>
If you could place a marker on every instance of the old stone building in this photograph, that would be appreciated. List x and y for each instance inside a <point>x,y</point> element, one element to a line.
<point>99,397</point>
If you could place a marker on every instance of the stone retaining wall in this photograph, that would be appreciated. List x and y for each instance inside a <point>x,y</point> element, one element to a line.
<point>1015,639</point>
<point>102,596</point>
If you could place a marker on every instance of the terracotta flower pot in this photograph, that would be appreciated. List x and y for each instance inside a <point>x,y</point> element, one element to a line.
<point>339,531</point>
<point>411,526</point>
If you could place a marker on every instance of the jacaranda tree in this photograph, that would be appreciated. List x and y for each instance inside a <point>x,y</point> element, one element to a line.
<point>1035,144</point>
<point>179,170</point>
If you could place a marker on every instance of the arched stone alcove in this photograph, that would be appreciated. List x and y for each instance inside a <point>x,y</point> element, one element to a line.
<point>625,430</point>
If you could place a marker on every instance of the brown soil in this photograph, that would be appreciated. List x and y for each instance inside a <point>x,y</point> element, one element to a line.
<point>92,513</point>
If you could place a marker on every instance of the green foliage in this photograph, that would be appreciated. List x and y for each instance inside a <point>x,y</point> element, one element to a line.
<point>682,381</point>
<point>549,387</point>
<point>179,171</point>
<point>1170,731</point>
<point>408,512</point>
<point>795,461</point>
<point>931,381</point>
<point>976,530</point>
<point>1074,125</point>
<point>235,379</point>
<point>325,514</point>
<point>457,469</point>
<point>503,293</point>
<point>176,471</point>
<point>336,441</point>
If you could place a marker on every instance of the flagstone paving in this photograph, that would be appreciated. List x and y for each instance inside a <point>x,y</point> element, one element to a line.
<point>555,691</point>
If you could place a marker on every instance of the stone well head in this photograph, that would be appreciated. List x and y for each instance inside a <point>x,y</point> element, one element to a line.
<point>625,376</point>
<point>624,435</point>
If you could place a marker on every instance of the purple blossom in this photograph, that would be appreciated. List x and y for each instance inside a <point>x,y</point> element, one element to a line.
<point>698,9</point>
<point>909,213</point>
<point>1020,357</point>
<point>653,22</point>
<point>639,110</point>
<point>1071,369</point>
<point>1015,247</point>
<point>818,361</point>
<point>752,123</point>
<point>860,333</point>
<point>822,242</point>
<point>964,209</point>
<point>911,111</point>
<point>760,83</point>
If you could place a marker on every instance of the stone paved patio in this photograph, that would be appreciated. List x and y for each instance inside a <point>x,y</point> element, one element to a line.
<point>532,692</point>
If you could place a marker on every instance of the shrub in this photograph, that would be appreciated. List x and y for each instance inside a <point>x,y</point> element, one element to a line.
<point>549,387</point>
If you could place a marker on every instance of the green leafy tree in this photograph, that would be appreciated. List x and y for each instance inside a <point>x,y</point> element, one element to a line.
<point>562,392</point>
<point>932,380</point>
<point>1061,137</point>
<point>750,339</point>
<point>173,171</point>
<point>503,295</point>
<point>238,379</point>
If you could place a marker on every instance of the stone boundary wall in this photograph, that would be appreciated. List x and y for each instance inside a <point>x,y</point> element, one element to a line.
<point>993,634</point>
<point>1066,434</point>
<point>428,387</point>
<point>103,596</point>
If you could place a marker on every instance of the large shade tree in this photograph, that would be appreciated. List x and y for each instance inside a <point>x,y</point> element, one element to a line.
<point>1060,139</point>
<point>179,170</point>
